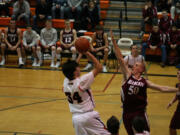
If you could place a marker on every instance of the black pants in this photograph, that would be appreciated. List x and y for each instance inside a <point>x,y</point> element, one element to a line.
<point>4,8</point>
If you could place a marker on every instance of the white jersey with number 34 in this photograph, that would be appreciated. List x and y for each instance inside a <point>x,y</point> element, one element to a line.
<point>79,94</point>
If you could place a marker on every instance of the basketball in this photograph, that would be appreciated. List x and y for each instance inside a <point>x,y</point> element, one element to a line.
<point>82,44</point>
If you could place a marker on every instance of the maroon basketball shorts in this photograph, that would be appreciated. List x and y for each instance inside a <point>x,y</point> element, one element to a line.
<point>128,118</point>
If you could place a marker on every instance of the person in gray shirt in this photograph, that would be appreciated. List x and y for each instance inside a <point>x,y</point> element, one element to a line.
<point>30,42</point>
<point>48,39</point>
<point>21,10</point>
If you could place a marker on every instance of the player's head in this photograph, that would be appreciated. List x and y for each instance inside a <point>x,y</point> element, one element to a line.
<point>138,124</point>
<point>113,125</point>
<point>21,1</point>
<point>91,4</point>
<point>138,67</point>
<point>99,29</point>
<point>71,69</point>
<point>149,3</point>
<point>164,13</point>
<point>178,74</point>
<point>134,49</point>
<point>155,28</point>
<point>29,28</point>
<point>67,24</point>
<point>48,23</point>
<point>12,24</point>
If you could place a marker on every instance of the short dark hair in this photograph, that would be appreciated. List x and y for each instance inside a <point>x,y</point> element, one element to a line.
<point>113,125</point>
<point>68,69</point>
<point>138,124</point>
<point>132,46</point>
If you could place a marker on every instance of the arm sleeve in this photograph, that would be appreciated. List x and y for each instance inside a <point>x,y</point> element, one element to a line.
<point>42,39</point>
<point>24,39</point>
<point>69,3</point>
<point>86,81</point>
<point>126,59</point>
<point>149,40</point>
<point>34,39</point>
<point>27,7</point>
<point>78,3</point>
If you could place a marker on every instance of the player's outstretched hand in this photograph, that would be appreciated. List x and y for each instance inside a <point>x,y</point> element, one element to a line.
<point>169,105</point>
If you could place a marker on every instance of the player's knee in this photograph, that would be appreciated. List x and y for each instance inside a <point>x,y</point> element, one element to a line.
<point>38,48</point>
<point>59,50</point>
<point>53,48</point>
<point>106,50</point>
<point>73,50</point>
<point>3,46</point>
<point>33,48</point>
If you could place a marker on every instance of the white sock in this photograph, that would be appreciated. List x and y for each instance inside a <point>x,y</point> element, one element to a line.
<point>39,55</point>
<point>3,58</point>
<point>53,53</point>
<point>58,56</point>
<point>20,59</point>
<point>74,56</point>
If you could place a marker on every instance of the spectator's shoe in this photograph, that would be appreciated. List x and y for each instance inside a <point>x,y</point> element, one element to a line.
<point>2,62</point>
<point>178,66</point>
<point>104,69</point>
<point>88,66</point>
<point>162,64</point>
<point>21,63</point>
<point>57,64</point>
<point>52,65</point>
<point>34,63</point>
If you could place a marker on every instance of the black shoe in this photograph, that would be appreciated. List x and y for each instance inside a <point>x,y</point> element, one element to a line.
<point>162,64</point>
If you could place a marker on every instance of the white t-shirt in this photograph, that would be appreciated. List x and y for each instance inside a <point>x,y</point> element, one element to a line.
<point>132,60</point>
<point>79,94</point>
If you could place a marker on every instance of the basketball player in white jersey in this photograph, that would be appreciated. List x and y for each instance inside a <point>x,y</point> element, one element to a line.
<point>86,121</point>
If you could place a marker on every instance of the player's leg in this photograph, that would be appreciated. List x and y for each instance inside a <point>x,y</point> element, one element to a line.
<point>79,124</point>
<point>106,50</point>
<point>94,124</point>
<point>175,124</point>
<point>172,131</point>
<point>23,50</point>
<point>3,47</point>
<point>73,50</point>
<point>39,55</point>
<point>34,56</point>
<point>53,55</point>
<point>58,56</point>
<point>21,63</point>
<point>127,120</point>
<point>145,117</point>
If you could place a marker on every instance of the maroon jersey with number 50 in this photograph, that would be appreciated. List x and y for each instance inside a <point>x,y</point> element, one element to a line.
<point>134,94</point>
<point>67,37</point>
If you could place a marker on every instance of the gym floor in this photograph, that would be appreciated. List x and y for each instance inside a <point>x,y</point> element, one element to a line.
<point>32,101</point>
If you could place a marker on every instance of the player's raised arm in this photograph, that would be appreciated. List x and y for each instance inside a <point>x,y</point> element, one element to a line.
<point>119,56</point>
<point>160,87</point>
<point>97,66</point>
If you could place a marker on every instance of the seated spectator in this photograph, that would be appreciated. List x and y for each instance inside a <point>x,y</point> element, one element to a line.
<point>113,125</point>
<point>68,37</point>
<point>74,9</point>
<point>100,39</point>
<point>48,39</point>
<point>165,22</point>
<point>163,5</point>
<point>42,13</point>
<point>134,57</point>
<point>149,16</point>
<point>30,43</point>
<point>175,10</point>
<point>155,40</point>
<point>58,6</point>
<point>90,17</point>
<point>21,10</point>
<point>173,43</point>
<point>4,8</point>
<point>138,125</point>
<point>12,38</point>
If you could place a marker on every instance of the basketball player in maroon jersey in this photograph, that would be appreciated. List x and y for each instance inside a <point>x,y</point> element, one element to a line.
<point>12,39</point>
<point>134,91</point>
<point>101,45</point>
<point>67,39</point>
<point>175,121</point>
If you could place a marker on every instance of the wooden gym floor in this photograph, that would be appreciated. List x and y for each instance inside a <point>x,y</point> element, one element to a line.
<point>32,101</point>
